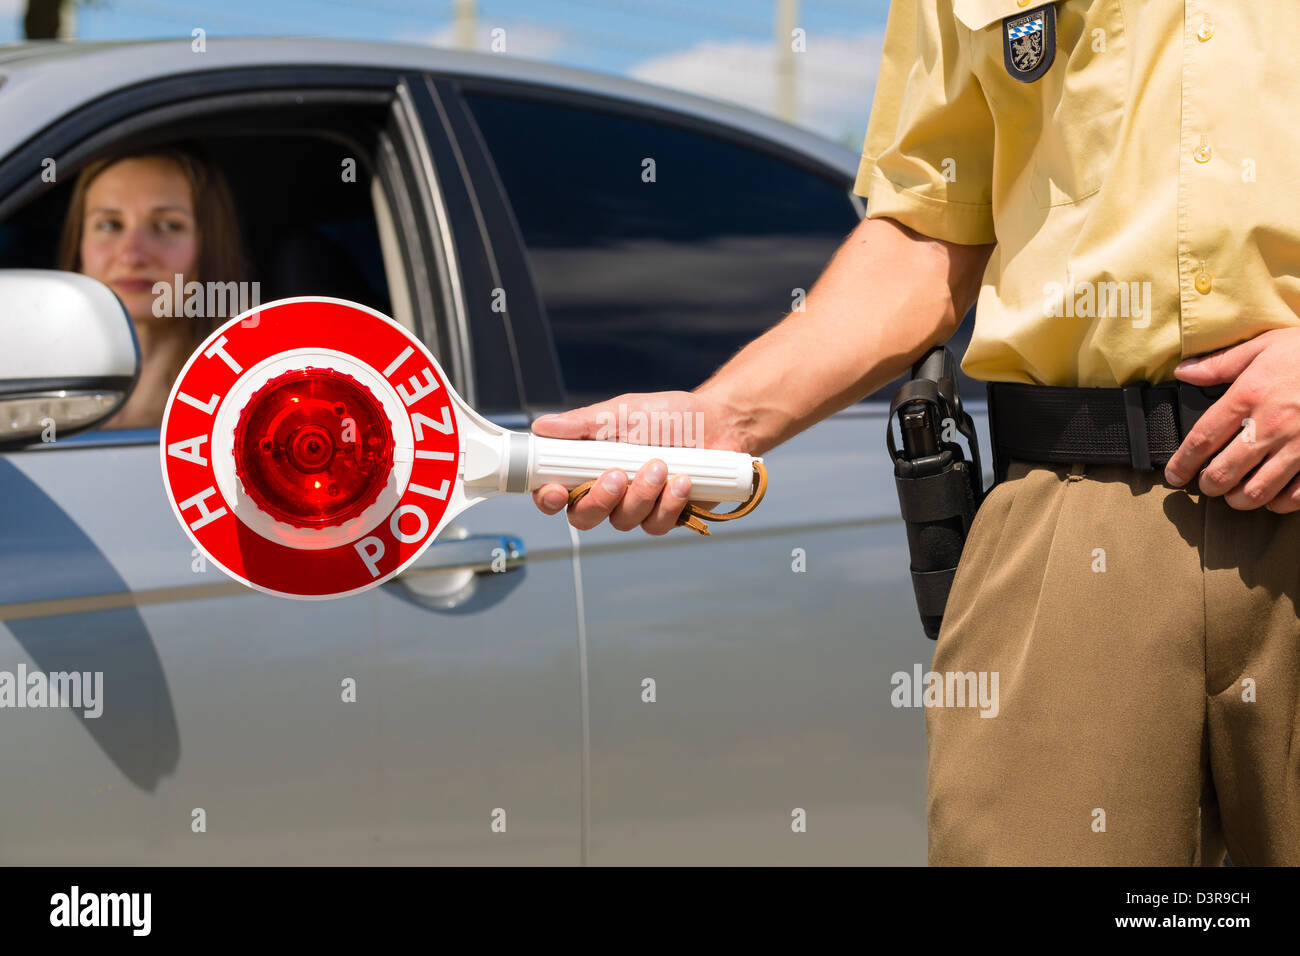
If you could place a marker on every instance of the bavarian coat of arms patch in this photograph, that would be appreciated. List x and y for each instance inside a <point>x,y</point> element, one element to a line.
<point>1029,43</point>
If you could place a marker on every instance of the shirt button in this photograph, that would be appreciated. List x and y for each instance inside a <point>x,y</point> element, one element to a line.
<point>1202,154</point>
<point>1203,283</point>
<point>1203,32</point>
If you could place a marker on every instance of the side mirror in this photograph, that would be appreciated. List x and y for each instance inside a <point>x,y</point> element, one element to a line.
<point>68,353</point>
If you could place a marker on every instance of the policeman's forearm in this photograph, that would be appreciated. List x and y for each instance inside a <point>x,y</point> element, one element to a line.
<point>887,295</point>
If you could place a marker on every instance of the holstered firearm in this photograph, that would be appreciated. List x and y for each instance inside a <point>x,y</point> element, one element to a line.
<point>939,490</point>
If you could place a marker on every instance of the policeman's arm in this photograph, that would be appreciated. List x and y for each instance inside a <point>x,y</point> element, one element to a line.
<point>888,295</point>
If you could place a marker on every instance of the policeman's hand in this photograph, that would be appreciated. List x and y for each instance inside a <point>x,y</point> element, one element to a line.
<point>1261,409</point>
<point>651,498</point>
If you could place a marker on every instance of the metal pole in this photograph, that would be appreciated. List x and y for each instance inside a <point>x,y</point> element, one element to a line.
<point>466,18</point>
<point>787,12</point>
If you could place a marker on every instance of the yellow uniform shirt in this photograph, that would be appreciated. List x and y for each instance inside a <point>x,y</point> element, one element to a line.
<point>1144,192</point>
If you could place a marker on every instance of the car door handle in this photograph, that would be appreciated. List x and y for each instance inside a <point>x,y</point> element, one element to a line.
<point>479,553</point>
<point>446,576</point>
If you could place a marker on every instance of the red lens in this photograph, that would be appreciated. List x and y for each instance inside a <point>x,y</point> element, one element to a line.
<point>313,448</point>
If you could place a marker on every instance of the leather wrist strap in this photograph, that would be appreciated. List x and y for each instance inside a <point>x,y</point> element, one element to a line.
<point>693,516</point>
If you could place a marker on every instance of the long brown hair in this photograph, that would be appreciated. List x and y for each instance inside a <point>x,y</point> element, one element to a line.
<point>221,255</point>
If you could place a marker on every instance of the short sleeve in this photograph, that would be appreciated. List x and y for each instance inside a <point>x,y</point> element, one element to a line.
<point>927,161</point>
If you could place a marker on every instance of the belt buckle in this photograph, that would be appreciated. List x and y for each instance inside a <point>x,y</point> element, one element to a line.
<point>1193,400</point>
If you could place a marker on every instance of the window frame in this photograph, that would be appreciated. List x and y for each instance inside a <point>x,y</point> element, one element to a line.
<point>495,359</point>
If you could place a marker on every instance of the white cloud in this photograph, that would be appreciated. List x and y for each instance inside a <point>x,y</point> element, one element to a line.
<point>521,39</point>
<point>834,78</point>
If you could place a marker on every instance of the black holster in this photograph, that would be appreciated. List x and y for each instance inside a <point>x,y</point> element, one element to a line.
<point>939,490</point>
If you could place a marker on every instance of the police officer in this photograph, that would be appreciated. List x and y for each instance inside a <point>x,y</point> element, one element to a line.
<point>1115,181</point>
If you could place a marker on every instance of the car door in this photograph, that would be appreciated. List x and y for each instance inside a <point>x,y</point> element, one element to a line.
<point>740,684</point>
<point>432,720</point>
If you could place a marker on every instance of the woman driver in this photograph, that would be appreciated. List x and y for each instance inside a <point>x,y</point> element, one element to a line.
<point>141,219</point>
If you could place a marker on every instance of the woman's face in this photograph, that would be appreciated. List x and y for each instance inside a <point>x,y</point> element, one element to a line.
<point>139,229</point>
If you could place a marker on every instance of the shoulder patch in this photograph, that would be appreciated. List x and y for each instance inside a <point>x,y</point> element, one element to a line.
<point>1029,43</point>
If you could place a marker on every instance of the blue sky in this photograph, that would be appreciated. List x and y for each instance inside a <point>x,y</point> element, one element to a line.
<point>722,48</point>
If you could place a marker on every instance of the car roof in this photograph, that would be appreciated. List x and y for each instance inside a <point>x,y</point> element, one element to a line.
<point>43,80</point>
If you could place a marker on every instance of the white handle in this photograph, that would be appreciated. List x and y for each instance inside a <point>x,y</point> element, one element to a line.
<point>715,475</point>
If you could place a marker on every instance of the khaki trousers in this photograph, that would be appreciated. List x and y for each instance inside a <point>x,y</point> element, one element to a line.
<point>1147,653</point>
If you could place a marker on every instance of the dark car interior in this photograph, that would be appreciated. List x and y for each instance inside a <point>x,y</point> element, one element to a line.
<point>309,226</point>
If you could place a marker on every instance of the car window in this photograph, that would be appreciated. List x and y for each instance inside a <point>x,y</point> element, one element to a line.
<point>658,251</point>
<point>306,230</point>
<point>312,216</point>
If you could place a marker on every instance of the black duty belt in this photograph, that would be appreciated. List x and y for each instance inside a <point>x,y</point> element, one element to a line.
<point>1138,425</point>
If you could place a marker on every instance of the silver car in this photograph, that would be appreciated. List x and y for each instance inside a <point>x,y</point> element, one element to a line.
<point>611,698</point>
